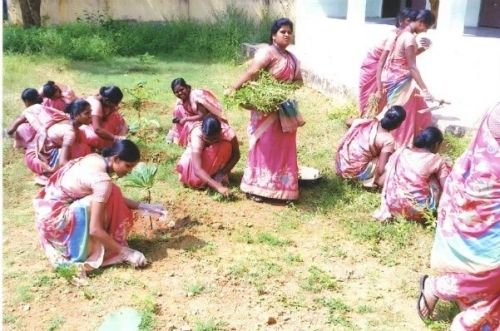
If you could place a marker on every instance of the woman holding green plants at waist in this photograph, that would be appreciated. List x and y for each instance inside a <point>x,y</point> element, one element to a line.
<point>271,170</point>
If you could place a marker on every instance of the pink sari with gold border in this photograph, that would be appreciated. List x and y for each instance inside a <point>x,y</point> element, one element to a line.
<point>271,170</point>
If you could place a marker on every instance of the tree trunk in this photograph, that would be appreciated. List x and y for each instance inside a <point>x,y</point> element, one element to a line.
<point>30,11</point>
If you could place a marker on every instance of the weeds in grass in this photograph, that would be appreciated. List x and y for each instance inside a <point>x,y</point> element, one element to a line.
<point>8,319</point>
<point>88,294</point>
<point>292,302</point>
<point>24,293</point>
<point>148,309</point>
<point>347,110</point>
<point>67,271</point>
<point>210,325</point>
<point>195,288</point>
<point>454,146</point>
<point>364,309</point>
<point>43,280</point>
<point>291,258</point>
<point>56,323</point>
<point>337,311</point>
<point>318,280</point>
<point>271,240</point>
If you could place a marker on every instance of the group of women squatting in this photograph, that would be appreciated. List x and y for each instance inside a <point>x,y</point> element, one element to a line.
<point>74,145</point>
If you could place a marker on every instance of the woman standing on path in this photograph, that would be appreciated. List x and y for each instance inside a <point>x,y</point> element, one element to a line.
<point>466,251</point>
<point>82,217</point>
<point>402,81</point>
<point>271,170</point>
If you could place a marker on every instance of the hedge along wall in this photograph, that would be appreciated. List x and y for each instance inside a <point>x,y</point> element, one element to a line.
<point>66,11</point>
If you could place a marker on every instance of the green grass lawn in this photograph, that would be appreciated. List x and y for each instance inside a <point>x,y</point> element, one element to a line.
<point>319,264</point>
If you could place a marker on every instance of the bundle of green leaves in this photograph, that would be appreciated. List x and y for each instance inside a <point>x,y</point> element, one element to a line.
<point>264,94</point>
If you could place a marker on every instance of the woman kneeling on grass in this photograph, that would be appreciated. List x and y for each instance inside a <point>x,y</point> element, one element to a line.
<point>82,217</point>
<point>414,178</point>
<point>366,147</point>
<point>466,251</point>
<point>192,105</point>
<point>211,153</point>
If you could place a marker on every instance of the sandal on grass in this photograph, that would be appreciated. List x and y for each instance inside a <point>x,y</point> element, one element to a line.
<point>421,298</point>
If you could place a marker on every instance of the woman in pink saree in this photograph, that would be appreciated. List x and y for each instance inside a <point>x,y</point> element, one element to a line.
<point>366,147</point>
<point>58,138</point>
<point>370,85</point>
<point>211,153</point>
<point>414,178</point>
<point>108,125</point>
<point>466,252</point>
<point>82,217</point>
<point>401,80</point>
<point>272,170</point>
<point>57,96</point>
<point>192,105</point>
<point>20,129</point>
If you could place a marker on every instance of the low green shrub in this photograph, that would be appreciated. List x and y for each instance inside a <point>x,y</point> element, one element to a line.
<point>97,39</point>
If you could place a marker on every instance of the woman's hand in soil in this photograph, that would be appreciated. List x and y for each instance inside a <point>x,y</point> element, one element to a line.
<point>135,258</point>
<point>223,190</point>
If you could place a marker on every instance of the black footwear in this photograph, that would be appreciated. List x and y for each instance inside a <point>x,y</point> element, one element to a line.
<point>254,197</point>
<point>422,297</point>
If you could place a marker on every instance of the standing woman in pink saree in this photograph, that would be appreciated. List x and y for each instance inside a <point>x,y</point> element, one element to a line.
<point>58,140</point>
<point>401,80</point>
<point>57,96</point>
<point>370,86</point>
<point>108,125</point>
<point>365,148</point>
<point>82,218</point>
<point>211,153</point>
<point>192,105</point>
<point>466,251</point>
<point>271,170</point>
<point>414,178</point>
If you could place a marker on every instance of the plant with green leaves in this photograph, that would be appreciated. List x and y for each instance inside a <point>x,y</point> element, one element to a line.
<point>141,177</point>
<point>140,93</point>
<point>264,94</point>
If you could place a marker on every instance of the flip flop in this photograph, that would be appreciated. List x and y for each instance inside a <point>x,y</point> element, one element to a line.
<point>422,297</point>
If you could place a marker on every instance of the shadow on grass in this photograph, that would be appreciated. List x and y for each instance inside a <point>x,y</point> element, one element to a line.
<point>332,192</point>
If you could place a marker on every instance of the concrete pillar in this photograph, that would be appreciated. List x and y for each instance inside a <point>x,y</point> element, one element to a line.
<point>356,11</point>
<point>452,17</point>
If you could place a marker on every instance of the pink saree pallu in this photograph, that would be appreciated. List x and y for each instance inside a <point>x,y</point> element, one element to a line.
<point>38,118</point>
<point>213,159</point>
<point>406,94</point>
<point>466,249</point>
<point>62,218</point>
<point>408,191</point>
<point>114,123</point>
<point>355,157</point>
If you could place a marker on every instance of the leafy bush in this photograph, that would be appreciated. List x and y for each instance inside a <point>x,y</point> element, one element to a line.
<point>96,39</point>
